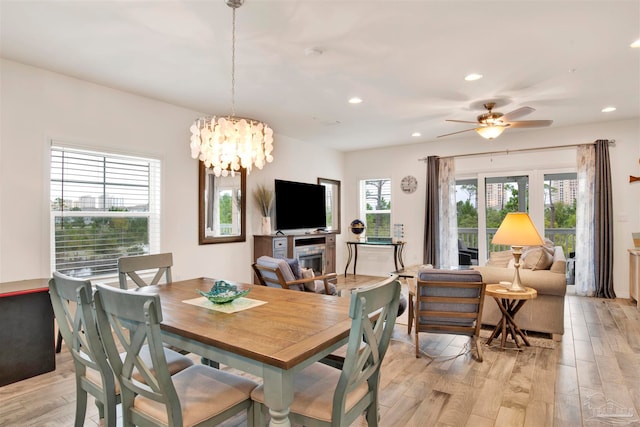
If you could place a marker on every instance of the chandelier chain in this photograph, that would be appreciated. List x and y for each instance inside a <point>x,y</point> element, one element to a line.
<point>233,64</point>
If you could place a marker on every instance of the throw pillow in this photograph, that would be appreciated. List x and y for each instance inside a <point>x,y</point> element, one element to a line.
<point>316,286</point>
<point>500,259</point>
<point>306,273</point>
<point>295,267</point>
<point>537,258</point>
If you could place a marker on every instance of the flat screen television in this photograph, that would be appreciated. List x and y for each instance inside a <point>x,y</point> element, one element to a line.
<point>299,205</point>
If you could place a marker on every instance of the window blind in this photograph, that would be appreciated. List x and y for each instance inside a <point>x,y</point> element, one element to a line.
<point>103,206</point>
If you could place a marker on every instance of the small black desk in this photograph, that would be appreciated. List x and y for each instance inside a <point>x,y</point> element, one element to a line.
<point>352,247</point>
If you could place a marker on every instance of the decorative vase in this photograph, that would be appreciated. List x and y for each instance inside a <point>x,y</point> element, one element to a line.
<point>266,225</point>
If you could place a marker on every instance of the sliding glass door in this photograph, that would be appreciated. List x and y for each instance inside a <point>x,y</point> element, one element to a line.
<point>503,194</point>
<point>548,196</point>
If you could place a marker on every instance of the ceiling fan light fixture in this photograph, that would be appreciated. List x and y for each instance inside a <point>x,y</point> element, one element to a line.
<point>491,131</point>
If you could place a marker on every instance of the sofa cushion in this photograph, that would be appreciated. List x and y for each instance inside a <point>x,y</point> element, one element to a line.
<point>537,257</point>
<point>500,259</point>
<point>559,261</point>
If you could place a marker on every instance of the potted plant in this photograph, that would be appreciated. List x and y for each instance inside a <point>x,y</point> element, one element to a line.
<point>264,199</point>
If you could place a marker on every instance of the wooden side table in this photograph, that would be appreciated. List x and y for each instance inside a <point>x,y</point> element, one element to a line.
<point>509,304</point>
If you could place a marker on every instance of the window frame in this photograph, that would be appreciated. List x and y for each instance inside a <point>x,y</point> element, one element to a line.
<point>154,198</point>
<point>362,208</point>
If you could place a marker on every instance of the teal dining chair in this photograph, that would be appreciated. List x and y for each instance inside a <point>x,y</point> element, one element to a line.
<point>337,390</point>
<point>71,299</point>
<point>197,396</point>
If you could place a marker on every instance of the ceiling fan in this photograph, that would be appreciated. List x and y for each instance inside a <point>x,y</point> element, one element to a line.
<point>491,124</point>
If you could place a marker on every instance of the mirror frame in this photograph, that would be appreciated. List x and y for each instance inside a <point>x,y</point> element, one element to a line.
<point>207,240</point>
<point>336,207</point>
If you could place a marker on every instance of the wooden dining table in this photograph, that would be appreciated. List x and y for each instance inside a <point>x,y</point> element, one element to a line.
<point>273,341</point>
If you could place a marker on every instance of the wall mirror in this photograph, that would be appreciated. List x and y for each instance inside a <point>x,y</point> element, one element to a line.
<point>222,206</point>
<point>332,203</point>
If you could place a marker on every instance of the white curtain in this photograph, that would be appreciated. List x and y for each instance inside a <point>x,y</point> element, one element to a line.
<point>584,263</point>
<point>448,238</point>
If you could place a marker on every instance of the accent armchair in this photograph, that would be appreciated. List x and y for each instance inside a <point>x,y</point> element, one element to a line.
<point>448,302</point>
<point>277,272</point>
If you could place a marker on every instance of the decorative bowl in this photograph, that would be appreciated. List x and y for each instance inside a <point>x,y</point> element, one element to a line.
<point>222,292</point>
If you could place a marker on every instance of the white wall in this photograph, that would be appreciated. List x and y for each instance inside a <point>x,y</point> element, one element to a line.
<point>37,105</point>
<point>397,162</point>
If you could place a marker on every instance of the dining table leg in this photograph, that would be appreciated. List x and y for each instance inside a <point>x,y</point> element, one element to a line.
<point>278,395</point>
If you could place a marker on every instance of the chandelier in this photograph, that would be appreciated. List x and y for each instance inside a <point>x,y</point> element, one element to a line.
<point>228,143</point>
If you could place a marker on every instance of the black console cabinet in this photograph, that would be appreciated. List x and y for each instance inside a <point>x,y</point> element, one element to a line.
<point>26,332</point>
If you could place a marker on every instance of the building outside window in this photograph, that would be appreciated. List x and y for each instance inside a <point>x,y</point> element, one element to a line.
<point>375,206</point>
<point>103,206</point>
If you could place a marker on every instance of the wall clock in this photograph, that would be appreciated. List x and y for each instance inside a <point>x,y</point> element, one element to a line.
<point>409,184</point>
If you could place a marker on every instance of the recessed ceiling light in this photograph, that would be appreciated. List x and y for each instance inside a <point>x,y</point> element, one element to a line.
<point>635,43</point>
<point>355,100</point>
<point>473,76</point>
<point>415,134</point>
<point>608,109</point>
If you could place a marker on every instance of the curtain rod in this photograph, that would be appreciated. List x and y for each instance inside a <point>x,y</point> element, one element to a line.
<point>520,150</point>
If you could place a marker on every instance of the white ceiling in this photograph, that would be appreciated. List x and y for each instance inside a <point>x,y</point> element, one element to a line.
<point>406,59</point>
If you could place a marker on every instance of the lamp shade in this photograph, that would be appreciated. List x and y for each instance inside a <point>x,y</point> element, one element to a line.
<point>491,131</point>
<point>517,229</point>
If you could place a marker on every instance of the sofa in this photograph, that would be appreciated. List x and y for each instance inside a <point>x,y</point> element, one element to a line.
<point>544,313</point>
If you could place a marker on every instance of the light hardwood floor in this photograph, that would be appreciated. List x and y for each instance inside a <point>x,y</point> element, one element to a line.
<point>590,378</point>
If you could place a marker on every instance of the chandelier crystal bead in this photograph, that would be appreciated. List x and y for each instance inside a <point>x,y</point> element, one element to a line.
<point>230,143</point>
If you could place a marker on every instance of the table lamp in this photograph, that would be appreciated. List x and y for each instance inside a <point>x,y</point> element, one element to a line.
<point>517,230</point>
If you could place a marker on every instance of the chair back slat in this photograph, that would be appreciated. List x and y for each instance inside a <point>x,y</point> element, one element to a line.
<point>130,267</point>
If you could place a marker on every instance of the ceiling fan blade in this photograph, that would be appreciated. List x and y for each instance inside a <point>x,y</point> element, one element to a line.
<point>460,121</point>
<point>453,133</point>
<point>531,124</point>
<point>517,113</point>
